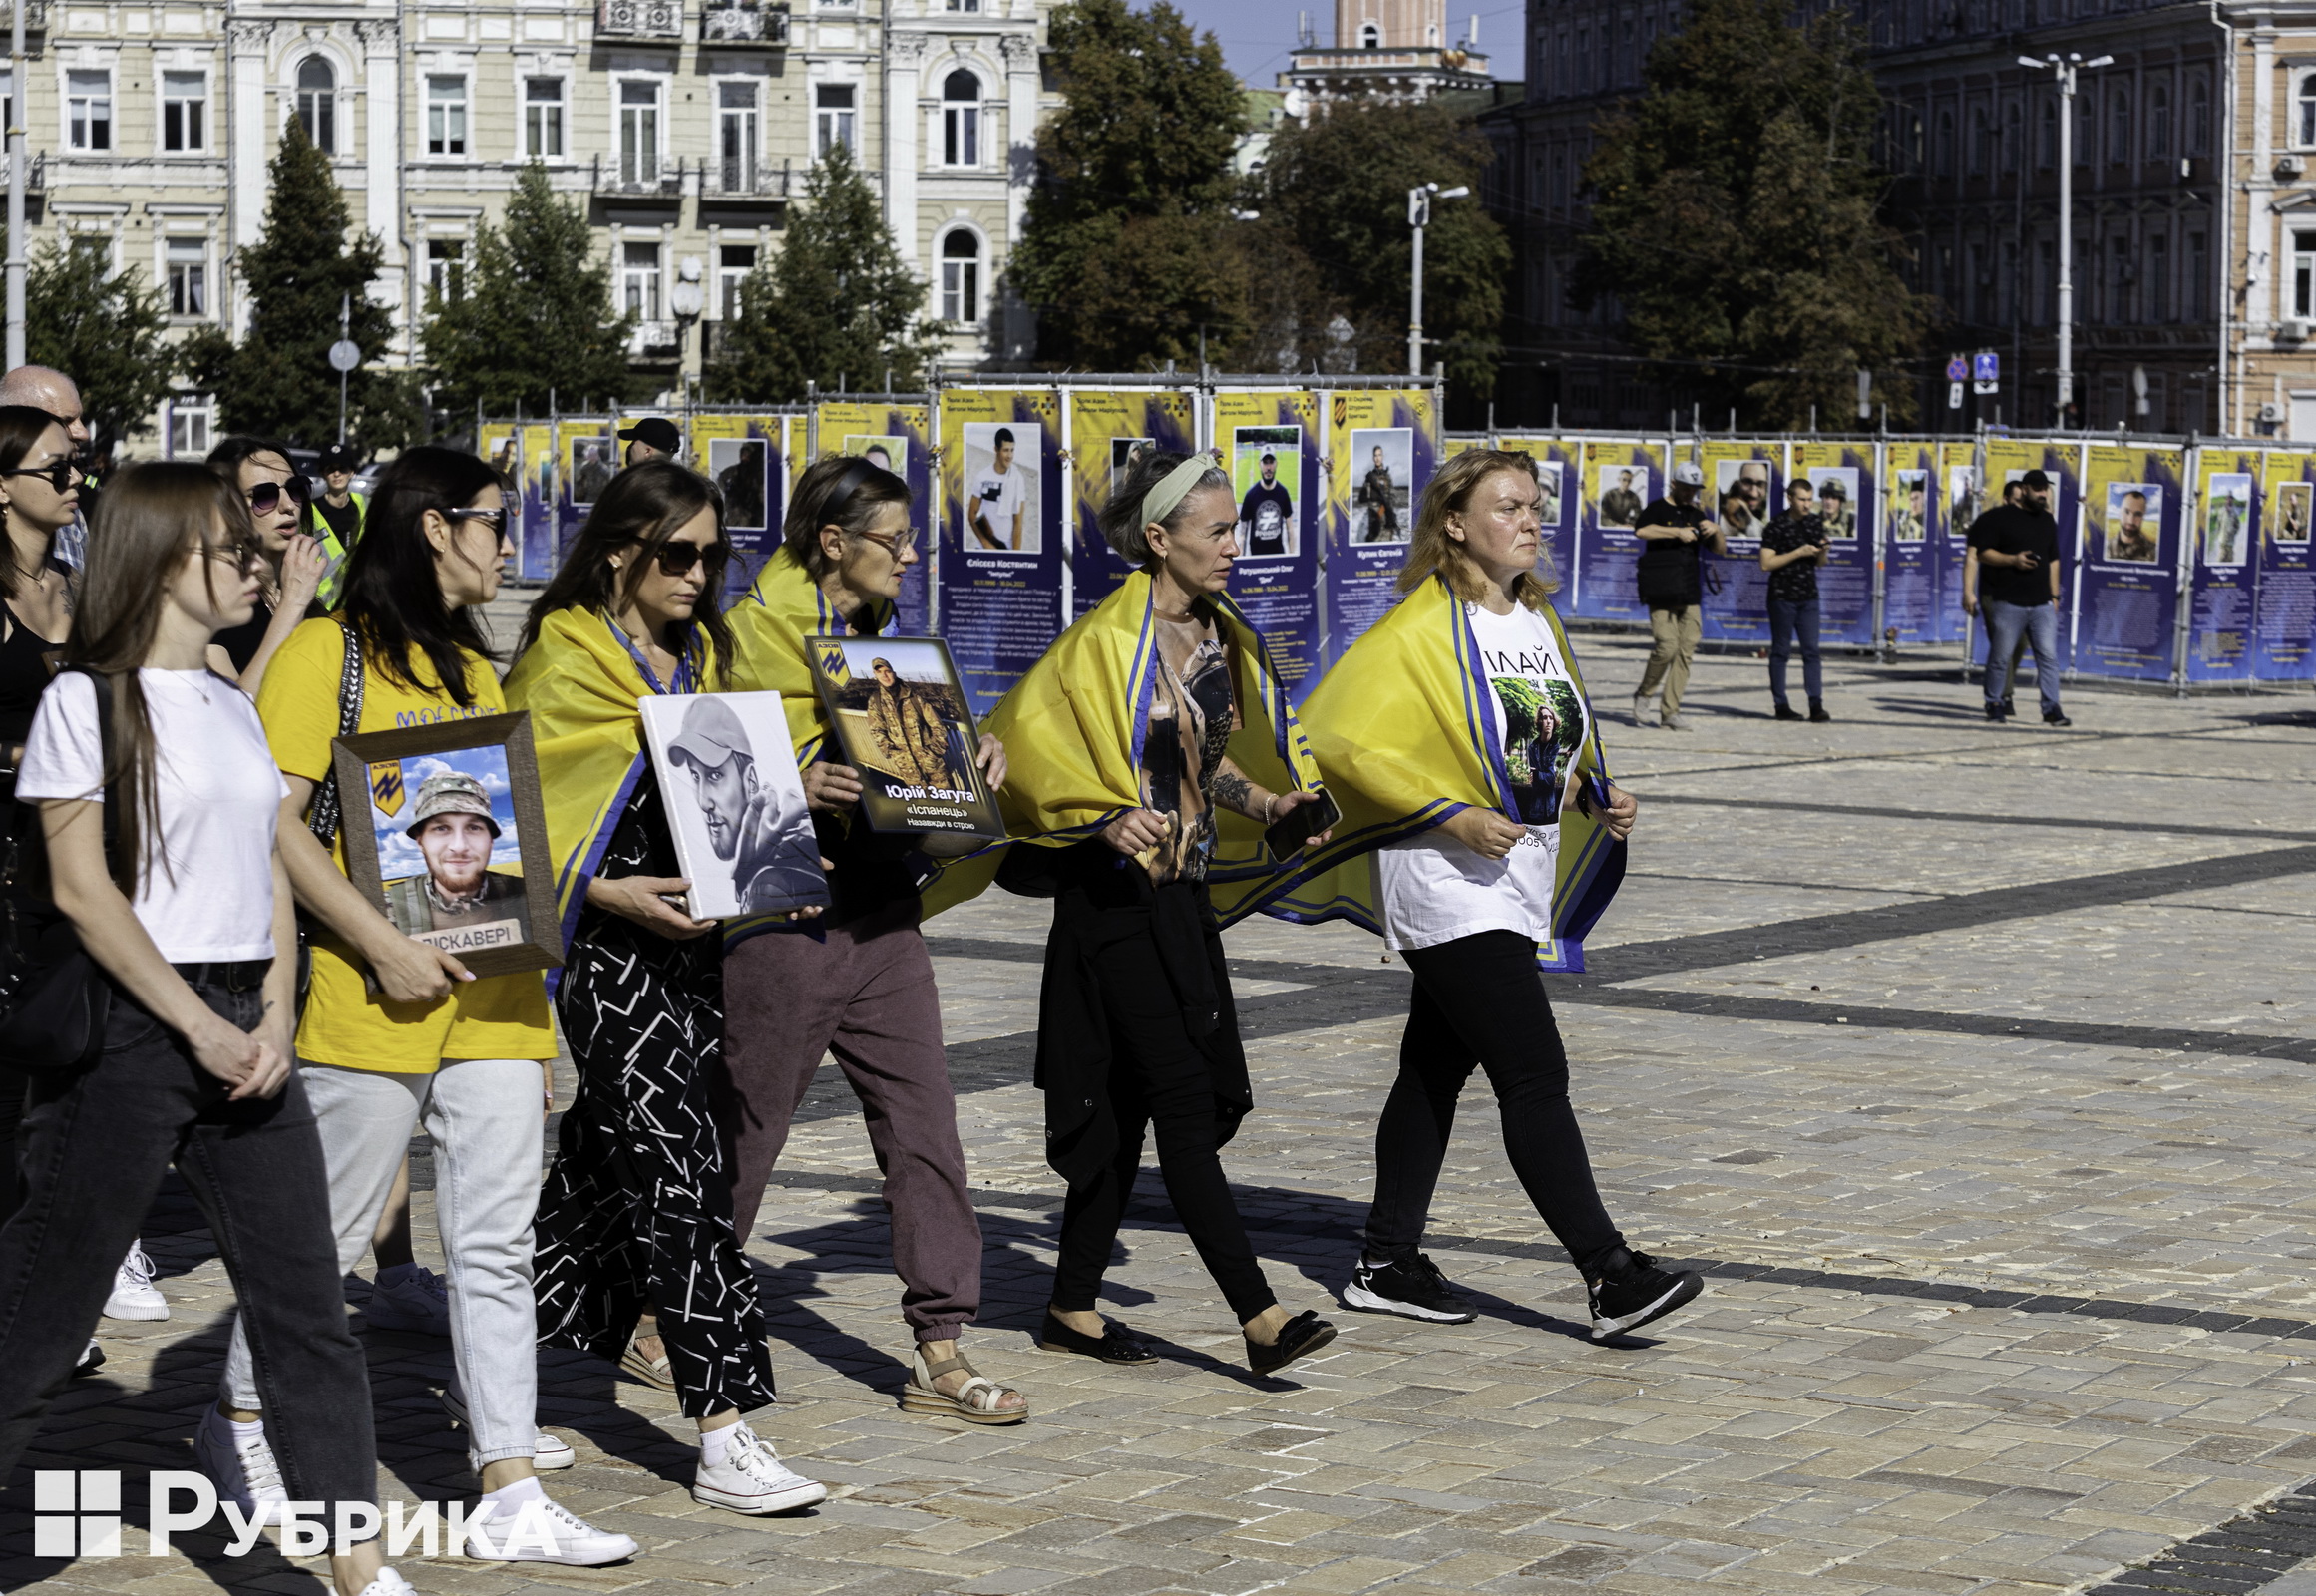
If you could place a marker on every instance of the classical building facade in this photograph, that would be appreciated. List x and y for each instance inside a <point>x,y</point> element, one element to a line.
<point>1385,49</point>
<point>684,126</point>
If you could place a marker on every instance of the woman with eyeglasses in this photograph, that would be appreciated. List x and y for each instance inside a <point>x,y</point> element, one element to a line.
<point>857,981</point>
<point>468,1059</point>
<point>637,1259</point>
<point>295,564</point>
<point>159,805</point>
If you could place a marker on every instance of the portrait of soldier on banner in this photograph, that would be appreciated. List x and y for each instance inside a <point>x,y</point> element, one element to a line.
<point>1621,493</point>
<point>1909,515</point>
<point>2228,518</point>
<point>738,467</point>
<point>2290,515</point>
<point>903,721</point>
<point>1742,495</point>
<point>736,802</point>
<point>2135,519</point>
<point>1382,478</point>
<point>1267,473</point>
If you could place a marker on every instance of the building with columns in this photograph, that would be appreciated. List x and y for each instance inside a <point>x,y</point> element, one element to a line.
<point>686,128</point>
<point>1385,49</point>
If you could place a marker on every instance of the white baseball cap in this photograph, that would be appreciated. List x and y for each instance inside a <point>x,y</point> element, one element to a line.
<point>1690,474</point>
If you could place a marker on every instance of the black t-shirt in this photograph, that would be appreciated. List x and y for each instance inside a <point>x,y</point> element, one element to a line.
<point>1266,512</point>
<point>2013,530</point>
<point>1670,569</point>
<point>1797,582</point>
<point>345,520</point>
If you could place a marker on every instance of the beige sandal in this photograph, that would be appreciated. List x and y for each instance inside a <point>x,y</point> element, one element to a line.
<point>976,1401</point>
<point>650,1370</point>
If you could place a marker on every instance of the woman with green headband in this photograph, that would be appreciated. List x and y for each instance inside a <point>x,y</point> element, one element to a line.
<point>1147,752</point>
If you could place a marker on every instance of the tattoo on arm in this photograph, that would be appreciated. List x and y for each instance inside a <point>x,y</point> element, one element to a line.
<point>1234,791</point>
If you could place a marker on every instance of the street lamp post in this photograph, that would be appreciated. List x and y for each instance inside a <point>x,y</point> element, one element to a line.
<point>1419,217</point>
<point>2065,70</point>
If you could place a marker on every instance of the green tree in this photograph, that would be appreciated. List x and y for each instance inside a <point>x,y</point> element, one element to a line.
<point>1736,216</point>
<point>532,318</point>
<point>278,380</point>
<point>1128,247</point>
<point>104,329</point>
<point>1339,185</point>
<point>836,304</point>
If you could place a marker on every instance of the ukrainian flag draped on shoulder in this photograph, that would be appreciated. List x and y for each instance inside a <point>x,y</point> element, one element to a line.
<point>580,682</point>
<point>772,625</point>
<point>1407,728</point>
<point>1074,731</point>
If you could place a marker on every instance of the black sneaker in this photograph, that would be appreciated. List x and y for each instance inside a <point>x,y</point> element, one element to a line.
<point>1817,714</point>
<point>1787,712</point>
<point>2010,707</point>
<point>2054,718</point>
<point>1632,1291</point>
<point>1993,711</point>
<point>1414,1289</point>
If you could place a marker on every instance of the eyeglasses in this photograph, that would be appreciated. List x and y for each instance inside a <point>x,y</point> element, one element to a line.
<point>677,559</point>
<point>896,545</point>
<point>242,557</point>
<point>265,498</point>
<point>62,475</point>
<point>495,520</point>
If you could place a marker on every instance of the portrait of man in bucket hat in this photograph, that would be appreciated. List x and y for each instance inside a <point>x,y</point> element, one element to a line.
<point>451,823</point>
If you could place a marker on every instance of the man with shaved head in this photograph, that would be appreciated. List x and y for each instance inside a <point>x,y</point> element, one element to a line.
<point>45,388</point>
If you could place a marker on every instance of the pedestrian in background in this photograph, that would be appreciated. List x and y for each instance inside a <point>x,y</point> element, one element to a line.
<point>1793,548</point>
<point>2013,567</point>
<point>653,438</point>
<point>1675,531</point>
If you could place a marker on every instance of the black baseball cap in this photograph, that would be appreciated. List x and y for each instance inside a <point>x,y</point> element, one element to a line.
<point>337,456</point>
<point>656,431</point>
<point>2034,478</point>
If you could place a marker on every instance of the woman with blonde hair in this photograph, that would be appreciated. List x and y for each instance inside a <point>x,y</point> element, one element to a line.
<point>1481,837</point>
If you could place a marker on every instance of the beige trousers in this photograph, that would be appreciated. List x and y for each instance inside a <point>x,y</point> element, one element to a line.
<point>1675,649</point>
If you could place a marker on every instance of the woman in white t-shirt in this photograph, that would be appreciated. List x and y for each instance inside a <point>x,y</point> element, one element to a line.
<point>1482,840</point>
<point>182,904</point>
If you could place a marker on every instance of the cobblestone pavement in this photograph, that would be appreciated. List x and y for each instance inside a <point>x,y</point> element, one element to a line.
<point>1971,1060</point>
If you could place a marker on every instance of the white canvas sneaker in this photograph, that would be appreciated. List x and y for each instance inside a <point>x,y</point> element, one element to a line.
<point>548,1452</point>
<point>134,1294</point>
<point>753,1479</point>
<point>543,1530</point>
<point>243,1466</point>
<point>389,1583</point>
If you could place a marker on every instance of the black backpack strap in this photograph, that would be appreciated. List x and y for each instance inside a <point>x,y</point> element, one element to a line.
<point>323,818</point>
<point>111,804</point>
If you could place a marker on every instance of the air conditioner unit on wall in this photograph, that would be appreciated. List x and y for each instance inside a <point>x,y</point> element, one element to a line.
<point>2291,332</point>
<point>2290,165</point>
<point>2272,412</point>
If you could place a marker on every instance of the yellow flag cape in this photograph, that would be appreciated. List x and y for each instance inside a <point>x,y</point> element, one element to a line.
<point>1074,731</point>
<point>1406,727</point>
<point>580,682</point>
<point>770,627</point>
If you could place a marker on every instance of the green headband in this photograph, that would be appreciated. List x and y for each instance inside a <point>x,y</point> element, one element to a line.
<point>1159,502</point>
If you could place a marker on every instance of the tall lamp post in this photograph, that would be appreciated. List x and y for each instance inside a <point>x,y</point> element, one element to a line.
<point>2065,70</point>
<point>1419,217</point>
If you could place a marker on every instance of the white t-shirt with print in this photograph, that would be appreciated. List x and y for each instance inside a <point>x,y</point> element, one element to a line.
<point>1434,889</point>
<point>1000,495</point>
<point>208,895</point>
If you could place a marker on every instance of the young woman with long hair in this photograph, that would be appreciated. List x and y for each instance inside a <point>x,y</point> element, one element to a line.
<point>468,1059</point>
<point>1484,837</point>
<point>637,1259</point>
<point>857,981</point>
<point>260,470</point>
<point>185,909</point>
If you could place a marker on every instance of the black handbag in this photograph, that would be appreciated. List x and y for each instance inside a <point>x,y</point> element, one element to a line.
<point>323,815</point>
<point>54,1001</point>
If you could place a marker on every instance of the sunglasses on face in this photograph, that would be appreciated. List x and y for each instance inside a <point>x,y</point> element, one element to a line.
<point>677,559</point>
<point>267,497</point>
<point>62,475</point>
<point>495,520</point>
<point>242,557</point>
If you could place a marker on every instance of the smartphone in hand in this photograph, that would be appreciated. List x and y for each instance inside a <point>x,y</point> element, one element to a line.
<point>1298,825</point>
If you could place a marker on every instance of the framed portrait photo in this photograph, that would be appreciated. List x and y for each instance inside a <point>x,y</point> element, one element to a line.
<point>735,801</point>
<point>904,724</point>
<point>444,830</point>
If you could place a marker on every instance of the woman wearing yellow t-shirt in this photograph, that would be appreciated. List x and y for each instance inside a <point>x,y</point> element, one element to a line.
<point>436,1046</point>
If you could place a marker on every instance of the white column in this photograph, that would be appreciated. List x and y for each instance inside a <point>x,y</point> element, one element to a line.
<point>2260,240</point>
<point>381,160</point>
<point>904,64</point>
<point>247,45</point>
<point>1021,78</point>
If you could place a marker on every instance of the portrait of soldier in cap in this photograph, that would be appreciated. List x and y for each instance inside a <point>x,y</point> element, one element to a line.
<point>452,824</point>
<point>912,737</point>
<point>763,832</point>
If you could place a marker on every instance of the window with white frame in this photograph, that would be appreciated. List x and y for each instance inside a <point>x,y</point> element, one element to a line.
<point>446,114</point>
<point>735,262</point>
<point>961,276</point>
<point>7,97</point>
<point>1371,37</point>
<point>89,110</point>
<point>189,426</point>
<point>2304,126</point>
<point>187,262</point>
<point>543,118</point>
<point>317,103</point>
<point>445,269</point>
<point>2304,274</point>
<point>833,112</point>
<point>185,112</point>
<point>964,5</point>
<point>639,130</point>
<point>639,281</point>
<point>961,119</point>
<point>738,135</point>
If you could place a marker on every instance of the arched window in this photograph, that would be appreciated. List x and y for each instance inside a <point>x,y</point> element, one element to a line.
<point>1981,141</point>
<point>2199,119</point>
<point>960,120</point>
<point>317,103</point>
<point>961,276</point>
<point>2160,122</point>
<point>2119,128</point>
<point>2306,128</point>
<point>1370,36</point>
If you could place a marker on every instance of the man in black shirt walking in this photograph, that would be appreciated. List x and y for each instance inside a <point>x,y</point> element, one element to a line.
<point>2012,568</point>
<point>1675,531</point>
<point>1792,546</point>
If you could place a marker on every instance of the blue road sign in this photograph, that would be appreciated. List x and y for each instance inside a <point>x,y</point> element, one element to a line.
<point>1986,368</point>
<point>1956,369</point>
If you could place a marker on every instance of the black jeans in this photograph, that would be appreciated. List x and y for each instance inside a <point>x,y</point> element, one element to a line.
<point>95,1144</point>
<point>1479,1000</point>
<point>1158,1079</point>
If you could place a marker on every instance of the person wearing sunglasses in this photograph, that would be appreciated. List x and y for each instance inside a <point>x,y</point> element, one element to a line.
<point>297,562</point>
<point>639,1262</point>
<point>469,1059</point>
<point>858,982</point>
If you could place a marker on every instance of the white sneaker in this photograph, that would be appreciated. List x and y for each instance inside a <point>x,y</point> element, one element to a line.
<point>409,1296</point>
<point>554,1534</point>
<point>1640,710</point>
<point>134,1294</point>
<point>243,1466</point>
<point>548,1452</point>
<point>752,1478</point>
<point>389,1583</point>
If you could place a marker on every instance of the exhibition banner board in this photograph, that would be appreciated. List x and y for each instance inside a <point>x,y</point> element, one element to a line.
<point>1961,495</point>
<point>1108,428</point>
<point>586,458</point>
<point>1744,486</point>
<point>1849,498</point>
<point>2128,561</point>
<point>1913,541</point>
<point>896,437</point>
<point>1269,442</point>
<point>1383,446</point>
<point>747,458</point>
<point>2222,553</point>
<point>534,462</point>
<point>1620,477</point>
<point>999,566</point>
<point>1559,507</point>
<point>2285,611</point>
<point>1456,443</point>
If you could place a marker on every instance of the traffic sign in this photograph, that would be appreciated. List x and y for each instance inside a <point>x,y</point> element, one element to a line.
<point>1954,396</point>
<point>1956,369</point>
<point>1987,368</point>
<point>345,356</point>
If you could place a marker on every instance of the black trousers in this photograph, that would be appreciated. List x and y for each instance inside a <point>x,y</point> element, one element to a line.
<point>95,1144</point>
<point>1159,1080</point>
<point>1479,1001</point>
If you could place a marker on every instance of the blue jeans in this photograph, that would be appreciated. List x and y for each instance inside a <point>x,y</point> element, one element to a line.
<point>1790,619</point>
<point>2039,623</point>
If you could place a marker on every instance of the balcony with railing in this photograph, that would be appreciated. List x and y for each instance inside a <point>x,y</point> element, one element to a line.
<point>639,19</point>
<point>639,175</point>
<point>655,340</point>
<point>742,179</point>
<point>742,23</point>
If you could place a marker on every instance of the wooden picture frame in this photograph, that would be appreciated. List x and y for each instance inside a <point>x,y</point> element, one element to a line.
<point>460,768</point>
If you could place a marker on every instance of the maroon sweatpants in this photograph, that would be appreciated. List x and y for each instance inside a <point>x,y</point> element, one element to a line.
<point>865,993</point>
